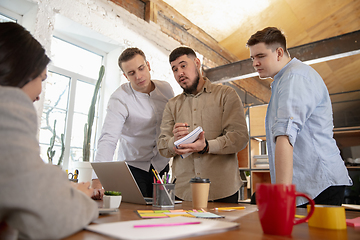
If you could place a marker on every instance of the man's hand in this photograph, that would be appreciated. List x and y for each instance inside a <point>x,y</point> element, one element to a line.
<point>180,130</point>
<point>196,146</point>
<point>98,190</point>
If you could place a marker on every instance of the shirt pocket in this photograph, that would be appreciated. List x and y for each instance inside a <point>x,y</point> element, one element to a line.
<point>211,120</point>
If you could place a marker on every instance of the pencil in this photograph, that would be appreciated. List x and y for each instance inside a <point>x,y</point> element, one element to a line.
<point>155,175</point>
<point>228,208</point>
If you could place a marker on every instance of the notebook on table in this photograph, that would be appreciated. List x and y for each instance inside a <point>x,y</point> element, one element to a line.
<point>116,176</point>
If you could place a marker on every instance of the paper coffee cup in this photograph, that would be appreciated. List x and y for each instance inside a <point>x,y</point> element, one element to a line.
<point>200,192</point>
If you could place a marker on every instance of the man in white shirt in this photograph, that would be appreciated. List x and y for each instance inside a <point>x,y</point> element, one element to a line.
<point>133,118</point>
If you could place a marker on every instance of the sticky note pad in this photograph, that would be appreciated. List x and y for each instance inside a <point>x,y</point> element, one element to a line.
<point>355,222</point>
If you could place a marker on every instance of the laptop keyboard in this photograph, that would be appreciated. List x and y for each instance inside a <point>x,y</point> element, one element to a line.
<point>149,200</point>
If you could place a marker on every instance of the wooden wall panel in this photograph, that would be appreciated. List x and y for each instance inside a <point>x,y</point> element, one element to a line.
<point>344,20</point>
<point>136,7</point>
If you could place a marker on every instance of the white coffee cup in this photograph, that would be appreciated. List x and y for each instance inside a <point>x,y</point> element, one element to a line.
<point>111,201</point>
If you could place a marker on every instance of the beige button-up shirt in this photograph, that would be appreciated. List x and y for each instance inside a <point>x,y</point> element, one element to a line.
<point>219,111</point>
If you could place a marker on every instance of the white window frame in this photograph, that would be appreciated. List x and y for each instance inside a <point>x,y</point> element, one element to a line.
<point>11,14</point>
<point>74,77</point>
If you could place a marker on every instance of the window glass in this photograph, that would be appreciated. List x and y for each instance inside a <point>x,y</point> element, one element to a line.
<point>4,18</point>
<point>83,97</point>
<point>68,94</point>
<point>75,59</point>
<point>55,108</point>
<point>57,90</point>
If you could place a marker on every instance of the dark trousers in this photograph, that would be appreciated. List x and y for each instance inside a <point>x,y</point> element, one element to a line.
<point>145,179</point>
<point>231,199</point>
<point>333,195</point>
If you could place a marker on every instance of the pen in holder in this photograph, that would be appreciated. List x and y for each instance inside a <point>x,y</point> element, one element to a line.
<point>163,195</point>
<point>73,177</point>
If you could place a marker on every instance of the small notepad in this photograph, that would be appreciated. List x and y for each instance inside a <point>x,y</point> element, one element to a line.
<point>190,138</point>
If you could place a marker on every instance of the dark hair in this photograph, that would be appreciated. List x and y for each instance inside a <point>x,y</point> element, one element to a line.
<point>129,54</point>
<point>22,58</point>
<point>180,51</point>
<point>269,36</point>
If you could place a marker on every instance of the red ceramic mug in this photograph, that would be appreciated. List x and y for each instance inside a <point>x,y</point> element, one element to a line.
<point>277,205</point>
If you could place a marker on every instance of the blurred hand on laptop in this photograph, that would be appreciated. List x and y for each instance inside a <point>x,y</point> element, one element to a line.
<point>98,192</point>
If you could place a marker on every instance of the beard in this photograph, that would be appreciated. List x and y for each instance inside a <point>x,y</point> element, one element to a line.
<point>191,89</point>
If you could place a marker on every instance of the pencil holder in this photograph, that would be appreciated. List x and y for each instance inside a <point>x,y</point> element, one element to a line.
<point>163,195</point>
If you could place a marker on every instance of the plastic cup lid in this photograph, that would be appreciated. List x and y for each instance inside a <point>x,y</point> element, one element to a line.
<point>199,180</point>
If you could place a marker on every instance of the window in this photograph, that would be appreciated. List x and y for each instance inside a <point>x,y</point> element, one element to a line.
<point>9,16</point>
<point>69,89</point>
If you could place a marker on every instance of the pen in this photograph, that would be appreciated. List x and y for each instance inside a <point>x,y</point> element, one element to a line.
<point>165,224</point>
<point>164,178</point>
<point>228,208</point>
<point>168,178</point>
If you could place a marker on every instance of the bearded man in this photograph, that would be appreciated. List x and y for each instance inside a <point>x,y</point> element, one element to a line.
<point>219,111</point>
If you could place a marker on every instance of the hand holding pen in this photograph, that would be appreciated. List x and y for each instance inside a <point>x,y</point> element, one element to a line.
<point>196,146</point>
<point>180,130</point>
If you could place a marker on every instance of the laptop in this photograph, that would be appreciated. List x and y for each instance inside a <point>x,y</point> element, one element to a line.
<point>116,176</point>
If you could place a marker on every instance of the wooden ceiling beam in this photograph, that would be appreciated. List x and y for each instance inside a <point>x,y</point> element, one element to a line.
<point>315,52</point>
<point>151,11</point>
<point>176,18</point>
<point>180,28</point>
<point>242,72</point>
<point>257,90</point>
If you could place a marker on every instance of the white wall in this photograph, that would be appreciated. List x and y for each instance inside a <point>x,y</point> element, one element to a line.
<point>113,22</point>
<point>115,29</point>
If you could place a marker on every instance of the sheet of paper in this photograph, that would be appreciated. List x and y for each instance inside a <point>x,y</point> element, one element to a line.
<point>190,138</point>
<point>126,230</point>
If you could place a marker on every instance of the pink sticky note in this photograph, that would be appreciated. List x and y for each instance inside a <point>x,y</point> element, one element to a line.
<point>355,222</point>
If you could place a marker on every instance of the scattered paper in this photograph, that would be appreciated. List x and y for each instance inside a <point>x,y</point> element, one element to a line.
<point>126,229</point>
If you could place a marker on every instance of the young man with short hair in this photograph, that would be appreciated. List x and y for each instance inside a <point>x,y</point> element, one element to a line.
<point>133,118</point>
<point>299,124</point>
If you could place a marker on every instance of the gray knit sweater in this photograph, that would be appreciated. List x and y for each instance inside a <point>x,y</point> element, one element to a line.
<point>36,198</point>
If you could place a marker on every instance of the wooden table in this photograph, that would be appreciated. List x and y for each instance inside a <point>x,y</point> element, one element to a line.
<point>250,228</point>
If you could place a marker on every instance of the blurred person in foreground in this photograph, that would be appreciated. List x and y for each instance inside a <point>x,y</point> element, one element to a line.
<point>37,199</point>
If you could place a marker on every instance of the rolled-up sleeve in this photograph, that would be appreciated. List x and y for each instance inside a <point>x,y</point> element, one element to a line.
<point>294,107</point>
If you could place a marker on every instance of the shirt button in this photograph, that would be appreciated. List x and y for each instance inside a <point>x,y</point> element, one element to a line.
<point>194,109</point>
